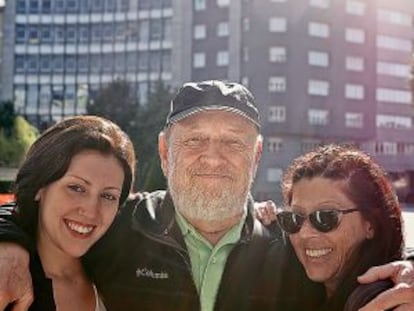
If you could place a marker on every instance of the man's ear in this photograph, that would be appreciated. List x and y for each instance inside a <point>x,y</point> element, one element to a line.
<point>163,152</point>
<point>257,154</point>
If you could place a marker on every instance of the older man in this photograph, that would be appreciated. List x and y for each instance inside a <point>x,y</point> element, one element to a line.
<point>197,246</point>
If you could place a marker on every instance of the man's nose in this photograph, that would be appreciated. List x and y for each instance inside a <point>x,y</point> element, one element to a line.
<point>213,152</point>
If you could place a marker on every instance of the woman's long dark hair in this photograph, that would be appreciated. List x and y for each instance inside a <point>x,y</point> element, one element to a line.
<point>49,158</point>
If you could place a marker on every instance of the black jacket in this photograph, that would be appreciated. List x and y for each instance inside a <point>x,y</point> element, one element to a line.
<point>142,264</point>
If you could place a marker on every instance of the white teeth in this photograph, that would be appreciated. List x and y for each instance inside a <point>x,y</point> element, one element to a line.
<point>79,228</point>
<point>316,253</point>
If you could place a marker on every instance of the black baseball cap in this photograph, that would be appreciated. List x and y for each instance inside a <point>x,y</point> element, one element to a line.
<point>195,97</point>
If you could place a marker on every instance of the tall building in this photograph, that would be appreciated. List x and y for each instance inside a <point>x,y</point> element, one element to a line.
<point>321,70</point>
<point>58,53</point>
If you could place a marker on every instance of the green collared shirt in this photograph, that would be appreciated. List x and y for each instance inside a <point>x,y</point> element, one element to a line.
<point>208,261</point>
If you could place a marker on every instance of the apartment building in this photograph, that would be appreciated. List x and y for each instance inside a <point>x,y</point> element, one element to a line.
<point>58,53</point>
<point>321,70</point>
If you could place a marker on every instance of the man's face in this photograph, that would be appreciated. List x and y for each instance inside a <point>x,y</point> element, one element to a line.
<point>210,160</point>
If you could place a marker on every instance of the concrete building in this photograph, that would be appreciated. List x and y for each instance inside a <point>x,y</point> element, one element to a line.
<point>321,70</point>
<point>58,53</point>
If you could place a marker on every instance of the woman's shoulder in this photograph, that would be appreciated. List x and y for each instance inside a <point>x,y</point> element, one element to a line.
<point>364,293</point>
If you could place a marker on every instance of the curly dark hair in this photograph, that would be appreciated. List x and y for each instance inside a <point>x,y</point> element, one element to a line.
<point>367,186</point>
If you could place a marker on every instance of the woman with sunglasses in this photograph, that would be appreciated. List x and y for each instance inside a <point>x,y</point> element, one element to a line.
<point>342,217</point>
<point>68,191</point>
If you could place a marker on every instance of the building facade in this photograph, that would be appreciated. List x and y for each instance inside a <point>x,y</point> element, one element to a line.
<point>58,53</point>
<point>321,70</point>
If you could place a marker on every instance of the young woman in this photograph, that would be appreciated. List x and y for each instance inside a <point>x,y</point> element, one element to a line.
<point>68,191</point>
<point>342,217</point>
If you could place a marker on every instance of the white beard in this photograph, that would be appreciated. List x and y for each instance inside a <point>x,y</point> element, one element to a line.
<point>199,203</point>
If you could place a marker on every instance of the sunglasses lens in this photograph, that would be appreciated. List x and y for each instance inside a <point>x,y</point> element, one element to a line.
<point>325,220</point>
<point>290,222</point>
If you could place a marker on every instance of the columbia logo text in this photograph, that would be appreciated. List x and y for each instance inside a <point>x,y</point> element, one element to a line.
<point>148,273</point>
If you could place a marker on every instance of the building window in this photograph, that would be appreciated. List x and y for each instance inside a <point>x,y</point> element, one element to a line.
<point>45,64</point>
<point>199,5</point>
<point>393,96</point>
<point>393,43</point>
<point>72,6</point>
<point>20,34</point>
<point>155,30</point>
<point>318,117</point>
<point>71,34</point>
<point>318,87</point>
<point>46,34</point>
<point>21,6</point>
<point>277,54</point>
<point>309,144</point>
<point>58,63</point>
<point>395,17</point>
<point>33,6</point>
<point>33,35</point>
<point>323,4</point>
<point>393,122</point>
<point>274,144</point>
<point>245,53</point>
<point>354,119</point>
<point>245,81</point>
<point>277,84</point>
<point>222,58</point>
<point>83,63</point>
<point>223,29</point>
<point>223,3</point>
<point>355,35</point>
<point>354,63</point>
<point>393,69</point>
<point>318,30</point>
<point>19,64</point>
<point>246,24</point>
<point>320,59</point>
<point>386,148</point>
<point>354,91</point>
<point>277,24</point>
<point>46,6</point>
<point>277,114</point>
<point>274,174</point>
<point>199,60</point>
<point>355,7</point>
<point>32,63</point>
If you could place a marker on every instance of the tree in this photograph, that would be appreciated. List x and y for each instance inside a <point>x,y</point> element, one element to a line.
<point>13,147</point>
<point>149,122</point>
<point>7,116</point>
<point>142,123</point>
<point>116,102</point>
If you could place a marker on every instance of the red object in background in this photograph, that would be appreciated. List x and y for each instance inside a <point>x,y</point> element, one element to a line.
<point>6,197</point>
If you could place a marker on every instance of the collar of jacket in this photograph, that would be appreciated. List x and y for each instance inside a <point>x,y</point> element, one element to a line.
<point>154,216</point>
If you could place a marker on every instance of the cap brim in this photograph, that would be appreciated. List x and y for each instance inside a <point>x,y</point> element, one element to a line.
<point>194,110</point>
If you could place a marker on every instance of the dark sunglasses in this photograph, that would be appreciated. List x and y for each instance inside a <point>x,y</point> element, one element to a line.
<point>324,220</point>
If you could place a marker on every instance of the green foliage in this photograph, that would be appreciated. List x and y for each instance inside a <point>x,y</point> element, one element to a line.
<point>142,123</point>
<point>7,117</point>
<point>116,102</point>
<point>15,142</point>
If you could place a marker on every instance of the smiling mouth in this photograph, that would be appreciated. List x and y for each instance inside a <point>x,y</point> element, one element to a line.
<point>78,228</point>
<point>317,253</point>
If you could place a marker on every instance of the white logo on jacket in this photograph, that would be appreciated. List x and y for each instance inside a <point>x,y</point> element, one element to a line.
<point>148,273</point>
